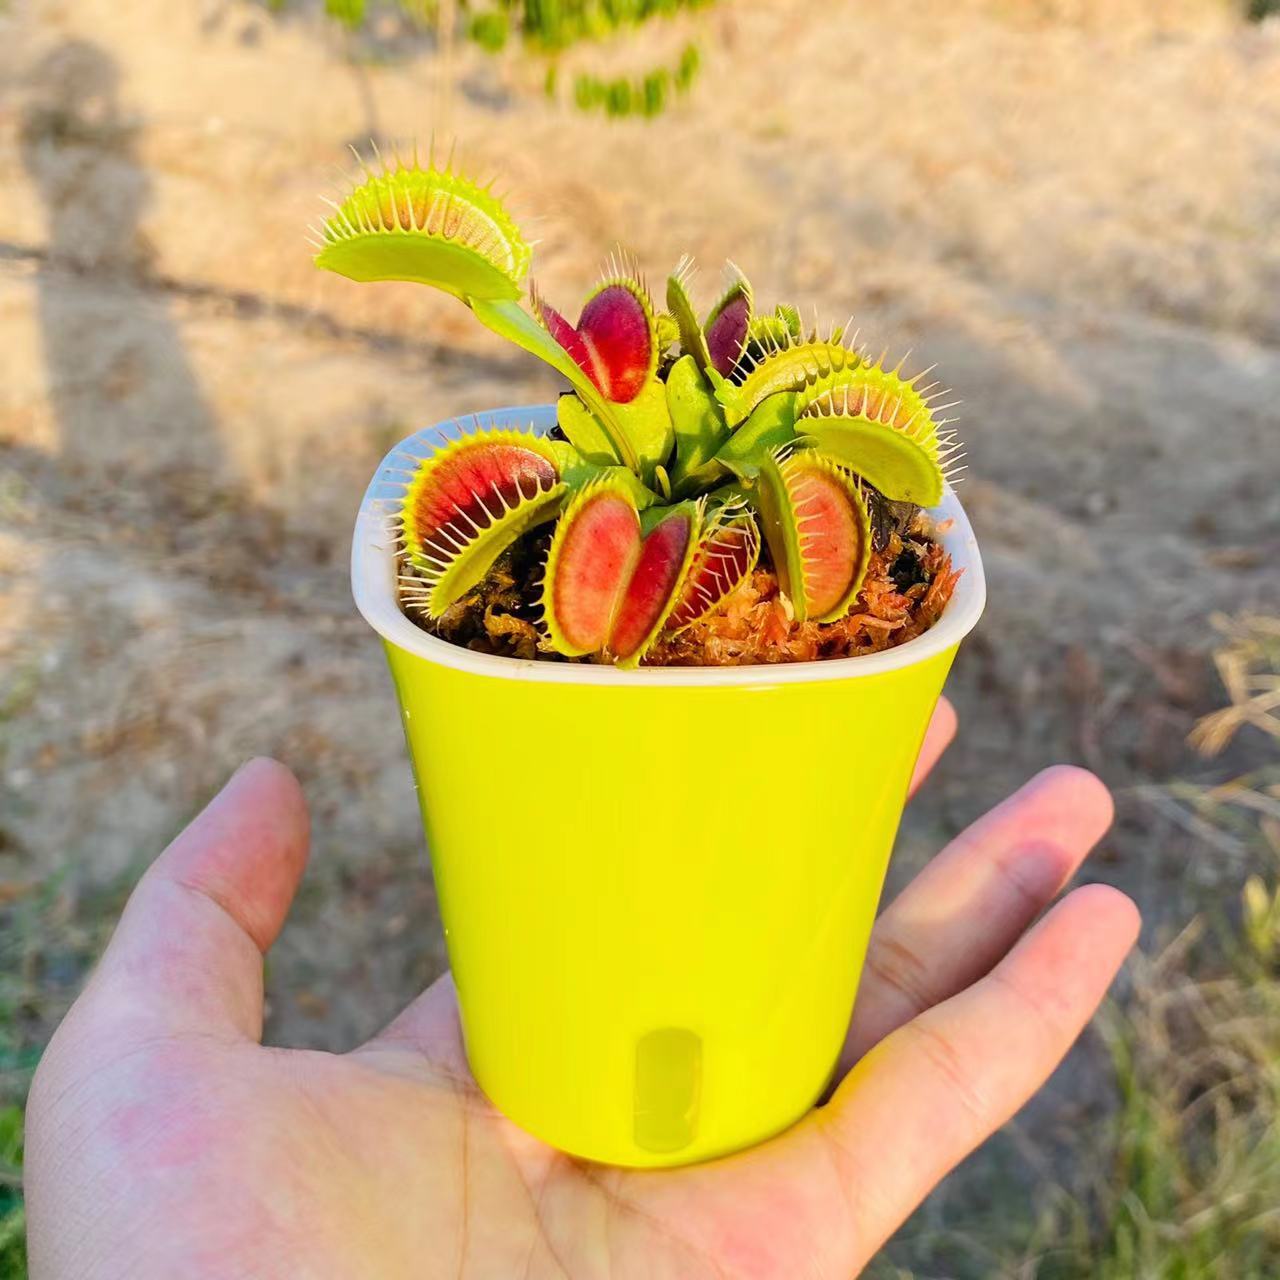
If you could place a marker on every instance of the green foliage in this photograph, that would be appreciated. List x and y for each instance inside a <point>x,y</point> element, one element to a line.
<point>1192,1178</point>
<point>648,95</point>
<point>431,226</point>
<point>549,29</point>
<point>45,949</point>
<point>890,461</point>
<point>12,1218</point>
<point>350,13</point>
<point>22,928</point>
<point>771,426</point>
<point>698,424</point>
<point>688,327</point>
<point>490,31</point>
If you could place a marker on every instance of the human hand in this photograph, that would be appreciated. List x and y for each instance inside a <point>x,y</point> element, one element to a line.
<point>164,1140</point>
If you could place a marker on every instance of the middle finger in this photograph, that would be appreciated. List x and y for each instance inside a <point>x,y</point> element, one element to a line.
<point>956,919</point>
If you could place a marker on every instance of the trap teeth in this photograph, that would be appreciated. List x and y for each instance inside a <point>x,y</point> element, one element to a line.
<point>469,502</point>
<point>802,367</point>
<point>725,555</point>
<point>432,226</point>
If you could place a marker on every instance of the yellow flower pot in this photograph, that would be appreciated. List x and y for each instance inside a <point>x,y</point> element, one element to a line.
<point>656,885</point>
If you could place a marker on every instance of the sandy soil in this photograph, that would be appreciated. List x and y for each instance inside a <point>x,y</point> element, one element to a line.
<point>1071,207</point>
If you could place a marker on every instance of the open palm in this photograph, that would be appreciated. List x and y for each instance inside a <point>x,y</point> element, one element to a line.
<point>164,1140</point>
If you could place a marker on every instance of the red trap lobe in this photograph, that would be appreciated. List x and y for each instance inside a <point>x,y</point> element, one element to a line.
<point>725,555</point>
<point>830,536</point>
<point>569,338</point>
<point>612,343</point>
<point>608,588</point>
<point>469,487</point>
<point>727,333</point>
<point>647,594</point>
<point>595,548</point>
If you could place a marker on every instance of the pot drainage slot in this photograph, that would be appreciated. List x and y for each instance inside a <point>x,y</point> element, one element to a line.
<point>668,1088</point>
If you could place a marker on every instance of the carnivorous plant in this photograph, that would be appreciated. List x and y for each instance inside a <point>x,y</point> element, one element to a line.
<point>686,448</point>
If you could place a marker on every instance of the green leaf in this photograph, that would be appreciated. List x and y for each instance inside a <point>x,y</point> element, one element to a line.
<point>695,417</point>
<point>430,226</point>
<point>666,331</point>
<point>819,535</point>
<point>793,368</point>
<point>879,425</point>
<point>693,341</point>
<point>13,1229</point>
<point>780,329</point>
<point>11,1129</point>
<point>583,428</point>
<point>578,472</point>
<point>729,494</point>
<point>888,459</point>
<point>701,479</point>
<point>773,501</point>
<point>419,260</point>
<point>770,426</point>
<point>646,427</point>
<point>348,12</point>
<point>790,316</point>
<point>490,31</point>
<point>655,515</point>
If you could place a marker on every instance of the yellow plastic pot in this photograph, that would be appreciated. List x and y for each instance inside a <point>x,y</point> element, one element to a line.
<point>656,885</point>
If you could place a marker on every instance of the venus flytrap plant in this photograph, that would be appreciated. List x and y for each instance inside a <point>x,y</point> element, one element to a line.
<point>687,449</point>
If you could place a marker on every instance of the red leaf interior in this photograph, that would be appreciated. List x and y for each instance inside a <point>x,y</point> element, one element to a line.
<point>722,562</point>
<point>471,486</point>
<point>830,536</point>
<point>651,584</point>
<point>595,555</point>
<point>616,330</point>
<point>727,332</point>
<point>612,344</point>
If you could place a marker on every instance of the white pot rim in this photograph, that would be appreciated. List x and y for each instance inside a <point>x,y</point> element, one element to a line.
<point>373,583</point>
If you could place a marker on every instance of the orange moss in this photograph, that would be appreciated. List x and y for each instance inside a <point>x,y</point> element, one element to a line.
<point>755,626</point>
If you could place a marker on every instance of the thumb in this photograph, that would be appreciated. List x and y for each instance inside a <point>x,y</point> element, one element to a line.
<point>187,953</point>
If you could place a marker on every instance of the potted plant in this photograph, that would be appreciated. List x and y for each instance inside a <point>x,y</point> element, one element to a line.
<point>659,833</point>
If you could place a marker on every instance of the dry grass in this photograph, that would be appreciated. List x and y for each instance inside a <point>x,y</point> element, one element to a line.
<point>1192,1187</point>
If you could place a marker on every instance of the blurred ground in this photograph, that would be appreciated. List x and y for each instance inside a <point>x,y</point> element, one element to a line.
<point>1071,207</point>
